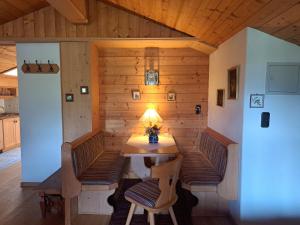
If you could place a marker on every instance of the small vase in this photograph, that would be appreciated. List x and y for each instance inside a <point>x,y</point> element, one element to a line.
<point>153,139</point>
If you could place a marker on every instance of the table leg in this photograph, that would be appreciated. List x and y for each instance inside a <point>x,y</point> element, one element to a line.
<point>139,168</point>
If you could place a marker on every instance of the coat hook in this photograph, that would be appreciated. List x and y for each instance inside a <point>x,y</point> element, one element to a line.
<point>27,67</point>
<point>50,66</point>
<point>39,66</point>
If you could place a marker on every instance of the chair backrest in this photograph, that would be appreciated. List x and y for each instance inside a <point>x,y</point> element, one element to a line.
<point>86,152</point>
<point>167,173</point>
<point>215,151</point>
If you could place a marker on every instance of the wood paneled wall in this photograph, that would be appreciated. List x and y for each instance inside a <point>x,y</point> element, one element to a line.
<point>183,71</point>
<point>8,58</point>
<point>79,67</point>
<point>104,21</point>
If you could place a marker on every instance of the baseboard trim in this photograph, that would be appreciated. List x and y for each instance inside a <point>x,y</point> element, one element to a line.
<point>30,184</point>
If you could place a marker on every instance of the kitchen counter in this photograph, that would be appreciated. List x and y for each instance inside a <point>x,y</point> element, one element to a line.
<point>8,115</point>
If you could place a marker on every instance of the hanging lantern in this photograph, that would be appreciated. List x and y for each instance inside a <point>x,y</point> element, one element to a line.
<point>151,66</point>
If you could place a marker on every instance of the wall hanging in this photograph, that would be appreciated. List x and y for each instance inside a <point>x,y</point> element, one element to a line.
<point>257,100</point>
<point>39,67</point>
<point>136,95</point>
<point>151,66</point>
<point>220,97</point>
<point>233,82</point>
<point>171,96</point>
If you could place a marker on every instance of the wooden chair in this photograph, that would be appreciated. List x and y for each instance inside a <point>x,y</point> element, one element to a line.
<point>158,193</point>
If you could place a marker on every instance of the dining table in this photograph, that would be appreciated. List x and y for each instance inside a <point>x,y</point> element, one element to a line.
<point>138,147</point>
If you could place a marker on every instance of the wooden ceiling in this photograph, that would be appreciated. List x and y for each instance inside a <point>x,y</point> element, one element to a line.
<point>214,21</point>
<point>8,57</point>
<point>13,9</point>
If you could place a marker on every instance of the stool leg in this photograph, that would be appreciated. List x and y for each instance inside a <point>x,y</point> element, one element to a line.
<point>173,217</point>
<point>67,211</point>
<point>152,221</point>
<point>130,214</point>
<point>43,204</point>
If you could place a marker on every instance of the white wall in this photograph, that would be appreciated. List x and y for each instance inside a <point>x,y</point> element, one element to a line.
<point>227,120</point>
<point>271,156</point>
<point>269,189</point>
<point>40,112</point>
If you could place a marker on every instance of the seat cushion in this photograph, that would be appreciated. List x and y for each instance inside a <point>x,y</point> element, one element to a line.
<point>196,169</point>
<point>105,170</point>
<point>146,193</point>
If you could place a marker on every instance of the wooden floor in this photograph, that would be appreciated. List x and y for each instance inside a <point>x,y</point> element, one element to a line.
<point>21,206</point>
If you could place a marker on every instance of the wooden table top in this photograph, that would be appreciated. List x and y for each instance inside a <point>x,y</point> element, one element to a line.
<point>138,145</point>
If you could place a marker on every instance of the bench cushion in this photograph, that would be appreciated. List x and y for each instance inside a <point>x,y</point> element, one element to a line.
<point>198,170</point>
<point>105,170</point>
<point>146,193</point>
<point>86,153</point>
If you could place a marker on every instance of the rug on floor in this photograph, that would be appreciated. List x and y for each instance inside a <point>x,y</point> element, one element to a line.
<point>182,208</point>
<point>10,157</point>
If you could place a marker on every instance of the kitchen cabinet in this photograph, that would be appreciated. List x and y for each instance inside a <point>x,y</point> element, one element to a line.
<point>11,132</point>
<point>1,136</point>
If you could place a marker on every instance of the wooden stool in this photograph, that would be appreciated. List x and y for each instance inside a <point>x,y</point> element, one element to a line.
<point>50,194</point>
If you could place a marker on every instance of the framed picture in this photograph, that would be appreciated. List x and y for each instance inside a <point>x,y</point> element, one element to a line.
<point>220,97</point>
<point>69,97</point>
<point>136,95</point>
<point>257,100</point>
<point>84,90</point>
<point>171,97</point>
<point>233,82</point>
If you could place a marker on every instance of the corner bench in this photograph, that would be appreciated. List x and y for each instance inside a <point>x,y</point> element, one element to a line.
<point>91,174</point>
<point>211,173</point>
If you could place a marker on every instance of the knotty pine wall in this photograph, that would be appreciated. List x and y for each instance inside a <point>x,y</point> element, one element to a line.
<point>183,71</point>
<point>105,21</point>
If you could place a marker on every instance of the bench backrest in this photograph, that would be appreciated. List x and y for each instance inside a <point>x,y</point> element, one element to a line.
<point>85,153</point>
<point>215,151</point>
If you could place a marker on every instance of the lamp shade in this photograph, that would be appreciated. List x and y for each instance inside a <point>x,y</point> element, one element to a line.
<point>151,117</point>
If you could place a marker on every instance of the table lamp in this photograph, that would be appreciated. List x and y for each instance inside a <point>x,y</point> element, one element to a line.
<point>151,120</point>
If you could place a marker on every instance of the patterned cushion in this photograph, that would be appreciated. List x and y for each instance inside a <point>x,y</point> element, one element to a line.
<point>106,170</point>
<point>215,152</point>
<point>196,169</point>
<point>86,153</point>
<point>145,193</point>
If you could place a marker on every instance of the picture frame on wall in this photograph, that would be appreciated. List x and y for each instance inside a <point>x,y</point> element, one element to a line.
<point>257,100</point>
<point>171,97</point>
<point>220,97</point>
<point>233,82</point>
<point>136,94</point>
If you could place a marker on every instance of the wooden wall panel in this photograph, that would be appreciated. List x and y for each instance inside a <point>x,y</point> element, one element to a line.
<point>183,71</point>
<point>8,58</point>
<point>105,21</point>
<point>79,67</point>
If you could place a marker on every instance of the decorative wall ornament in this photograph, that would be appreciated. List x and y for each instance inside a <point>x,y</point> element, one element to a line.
<point>136,95</point>
<point>84,90</point>
<point>257,100</point>
<point>151,66</point>
<point>233,82</point>
<point>220,97</point>
<point>39,67</point>
<point>69,97</point>
<point>171,96</point>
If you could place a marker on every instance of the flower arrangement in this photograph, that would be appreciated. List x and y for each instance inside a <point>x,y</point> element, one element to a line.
<point>152,131</point>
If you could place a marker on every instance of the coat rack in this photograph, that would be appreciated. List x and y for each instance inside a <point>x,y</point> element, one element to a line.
<point>40,67</point>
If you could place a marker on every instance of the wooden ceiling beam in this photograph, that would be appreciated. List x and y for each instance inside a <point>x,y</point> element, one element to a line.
<point>74,10</point>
